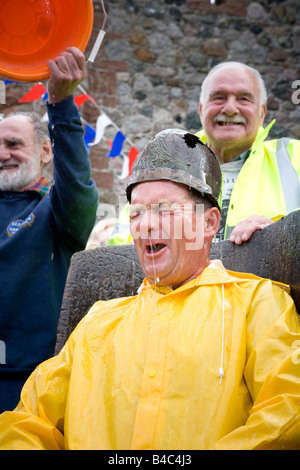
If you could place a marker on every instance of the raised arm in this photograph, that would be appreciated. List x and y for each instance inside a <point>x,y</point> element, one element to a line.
<point>74,195</point>
<point>66,72</point>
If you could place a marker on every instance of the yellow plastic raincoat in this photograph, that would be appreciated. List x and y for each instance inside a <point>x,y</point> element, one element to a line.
<point>146,372</point>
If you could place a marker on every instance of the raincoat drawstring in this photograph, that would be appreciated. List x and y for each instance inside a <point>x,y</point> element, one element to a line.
<point>221,370</point>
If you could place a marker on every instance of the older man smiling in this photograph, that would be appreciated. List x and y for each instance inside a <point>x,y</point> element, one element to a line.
<point>25,149</point>
<point>261,178</point>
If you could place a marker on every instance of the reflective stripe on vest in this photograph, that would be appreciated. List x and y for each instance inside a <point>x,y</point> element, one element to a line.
<point>278,173</point>
<point>289,178</point>
<point>121,234</point>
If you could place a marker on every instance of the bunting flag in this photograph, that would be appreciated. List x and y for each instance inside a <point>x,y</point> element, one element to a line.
<point>7,82</point>
<point>132,156</point>
<point>81,99</point>
<point>102,122</point>
<point>124,172</point>
<point>117,145</point>
<point>92,136</point>
<point>89,136</point>
<point>45,118</point>
<point>34,94</point>
<point>128,163</point>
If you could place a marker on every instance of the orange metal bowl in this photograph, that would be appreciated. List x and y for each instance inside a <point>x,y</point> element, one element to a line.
<point>34,31</point>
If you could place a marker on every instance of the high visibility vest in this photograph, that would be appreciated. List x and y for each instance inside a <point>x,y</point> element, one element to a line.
<point>121,234</point>
<point>269,181</point>
<point>268,184</point>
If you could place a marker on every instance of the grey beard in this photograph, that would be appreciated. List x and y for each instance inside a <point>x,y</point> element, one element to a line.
<point>27,172</point>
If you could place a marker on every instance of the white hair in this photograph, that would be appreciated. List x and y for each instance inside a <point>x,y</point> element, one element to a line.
<point>257,75</point>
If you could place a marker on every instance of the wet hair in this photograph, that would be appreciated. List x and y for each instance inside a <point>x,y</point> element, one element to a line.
<point>40,128</point>
<point>257,75</point>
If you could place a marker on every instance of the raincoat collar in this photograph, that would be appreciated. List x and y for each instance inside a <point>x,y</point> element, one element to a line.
<point>214,273</point>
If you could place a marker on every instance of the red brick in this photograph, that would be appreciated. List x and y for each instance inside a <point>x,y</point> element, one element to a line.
<point>113,65</point>
<point>103,179</point>
<point>104,83</point>
<point>109,101</point>
<point>97,158</point>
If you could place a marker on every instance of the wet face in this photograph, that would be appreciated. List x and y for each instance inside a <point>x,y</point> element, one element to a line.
<point>20,163</point>
<point>231,113</point>
<point>168,232</point>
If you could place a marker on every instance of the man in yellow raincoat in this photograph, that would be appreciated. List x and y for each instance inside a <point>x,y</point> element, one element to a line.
<point>200,358</point>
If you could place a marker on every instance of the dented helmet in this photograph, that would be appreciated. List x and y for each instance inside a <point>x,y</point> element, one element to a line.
<point>179,156</point>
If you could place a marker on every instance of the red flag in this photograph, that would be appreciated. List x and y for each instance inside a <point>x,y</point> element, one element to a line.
<point>81,99</point>
<point>133,153</point>
<point>34,94</point>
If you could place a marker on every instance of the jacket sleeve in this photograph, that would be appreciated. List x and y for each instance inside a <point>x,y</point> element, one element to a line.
<point>272,374</point>
<point>38,421</point>
<point>74,196</point>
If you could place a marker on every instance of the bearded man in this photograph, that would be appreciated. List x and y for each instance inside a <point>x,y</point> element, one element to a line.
<point>40,229</point>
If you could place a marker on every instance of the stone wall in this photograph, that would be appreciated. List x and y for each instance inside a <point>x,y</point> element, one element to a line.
<point>148,73</point>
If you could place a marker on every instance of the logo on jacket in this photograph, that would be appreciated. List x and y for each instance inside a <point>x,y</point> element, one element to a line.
<point>16,225</point>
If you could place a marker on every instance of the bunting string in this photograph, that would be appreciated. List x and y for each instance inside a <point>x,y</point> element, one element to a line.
<point>117,145</point>
<point>92,136</point>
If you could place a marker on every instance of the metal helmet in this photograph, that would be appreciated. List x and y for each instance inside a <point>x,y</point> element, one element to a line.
<point>179,156</point>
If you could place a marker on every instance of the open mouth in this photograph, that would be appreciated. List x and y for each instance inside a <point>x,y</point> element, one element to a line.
<point>8,167</point>
<point>221,123</point>
<point>155,248</point>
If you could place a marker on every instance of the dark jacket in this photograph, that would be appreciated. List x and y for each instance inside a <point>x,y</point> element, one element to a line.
<point>38,236</point>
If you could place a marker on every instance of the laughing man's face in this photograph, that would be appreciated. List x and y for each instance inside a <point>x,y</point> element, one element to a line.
<point>20,163</point>
<point>231,113</point>
<point>167,232</point>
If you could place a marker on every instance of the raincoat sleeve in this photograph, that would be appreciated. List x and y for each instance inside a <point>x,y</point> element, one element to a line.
<point>272,374</point>
<point>38,421</point>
